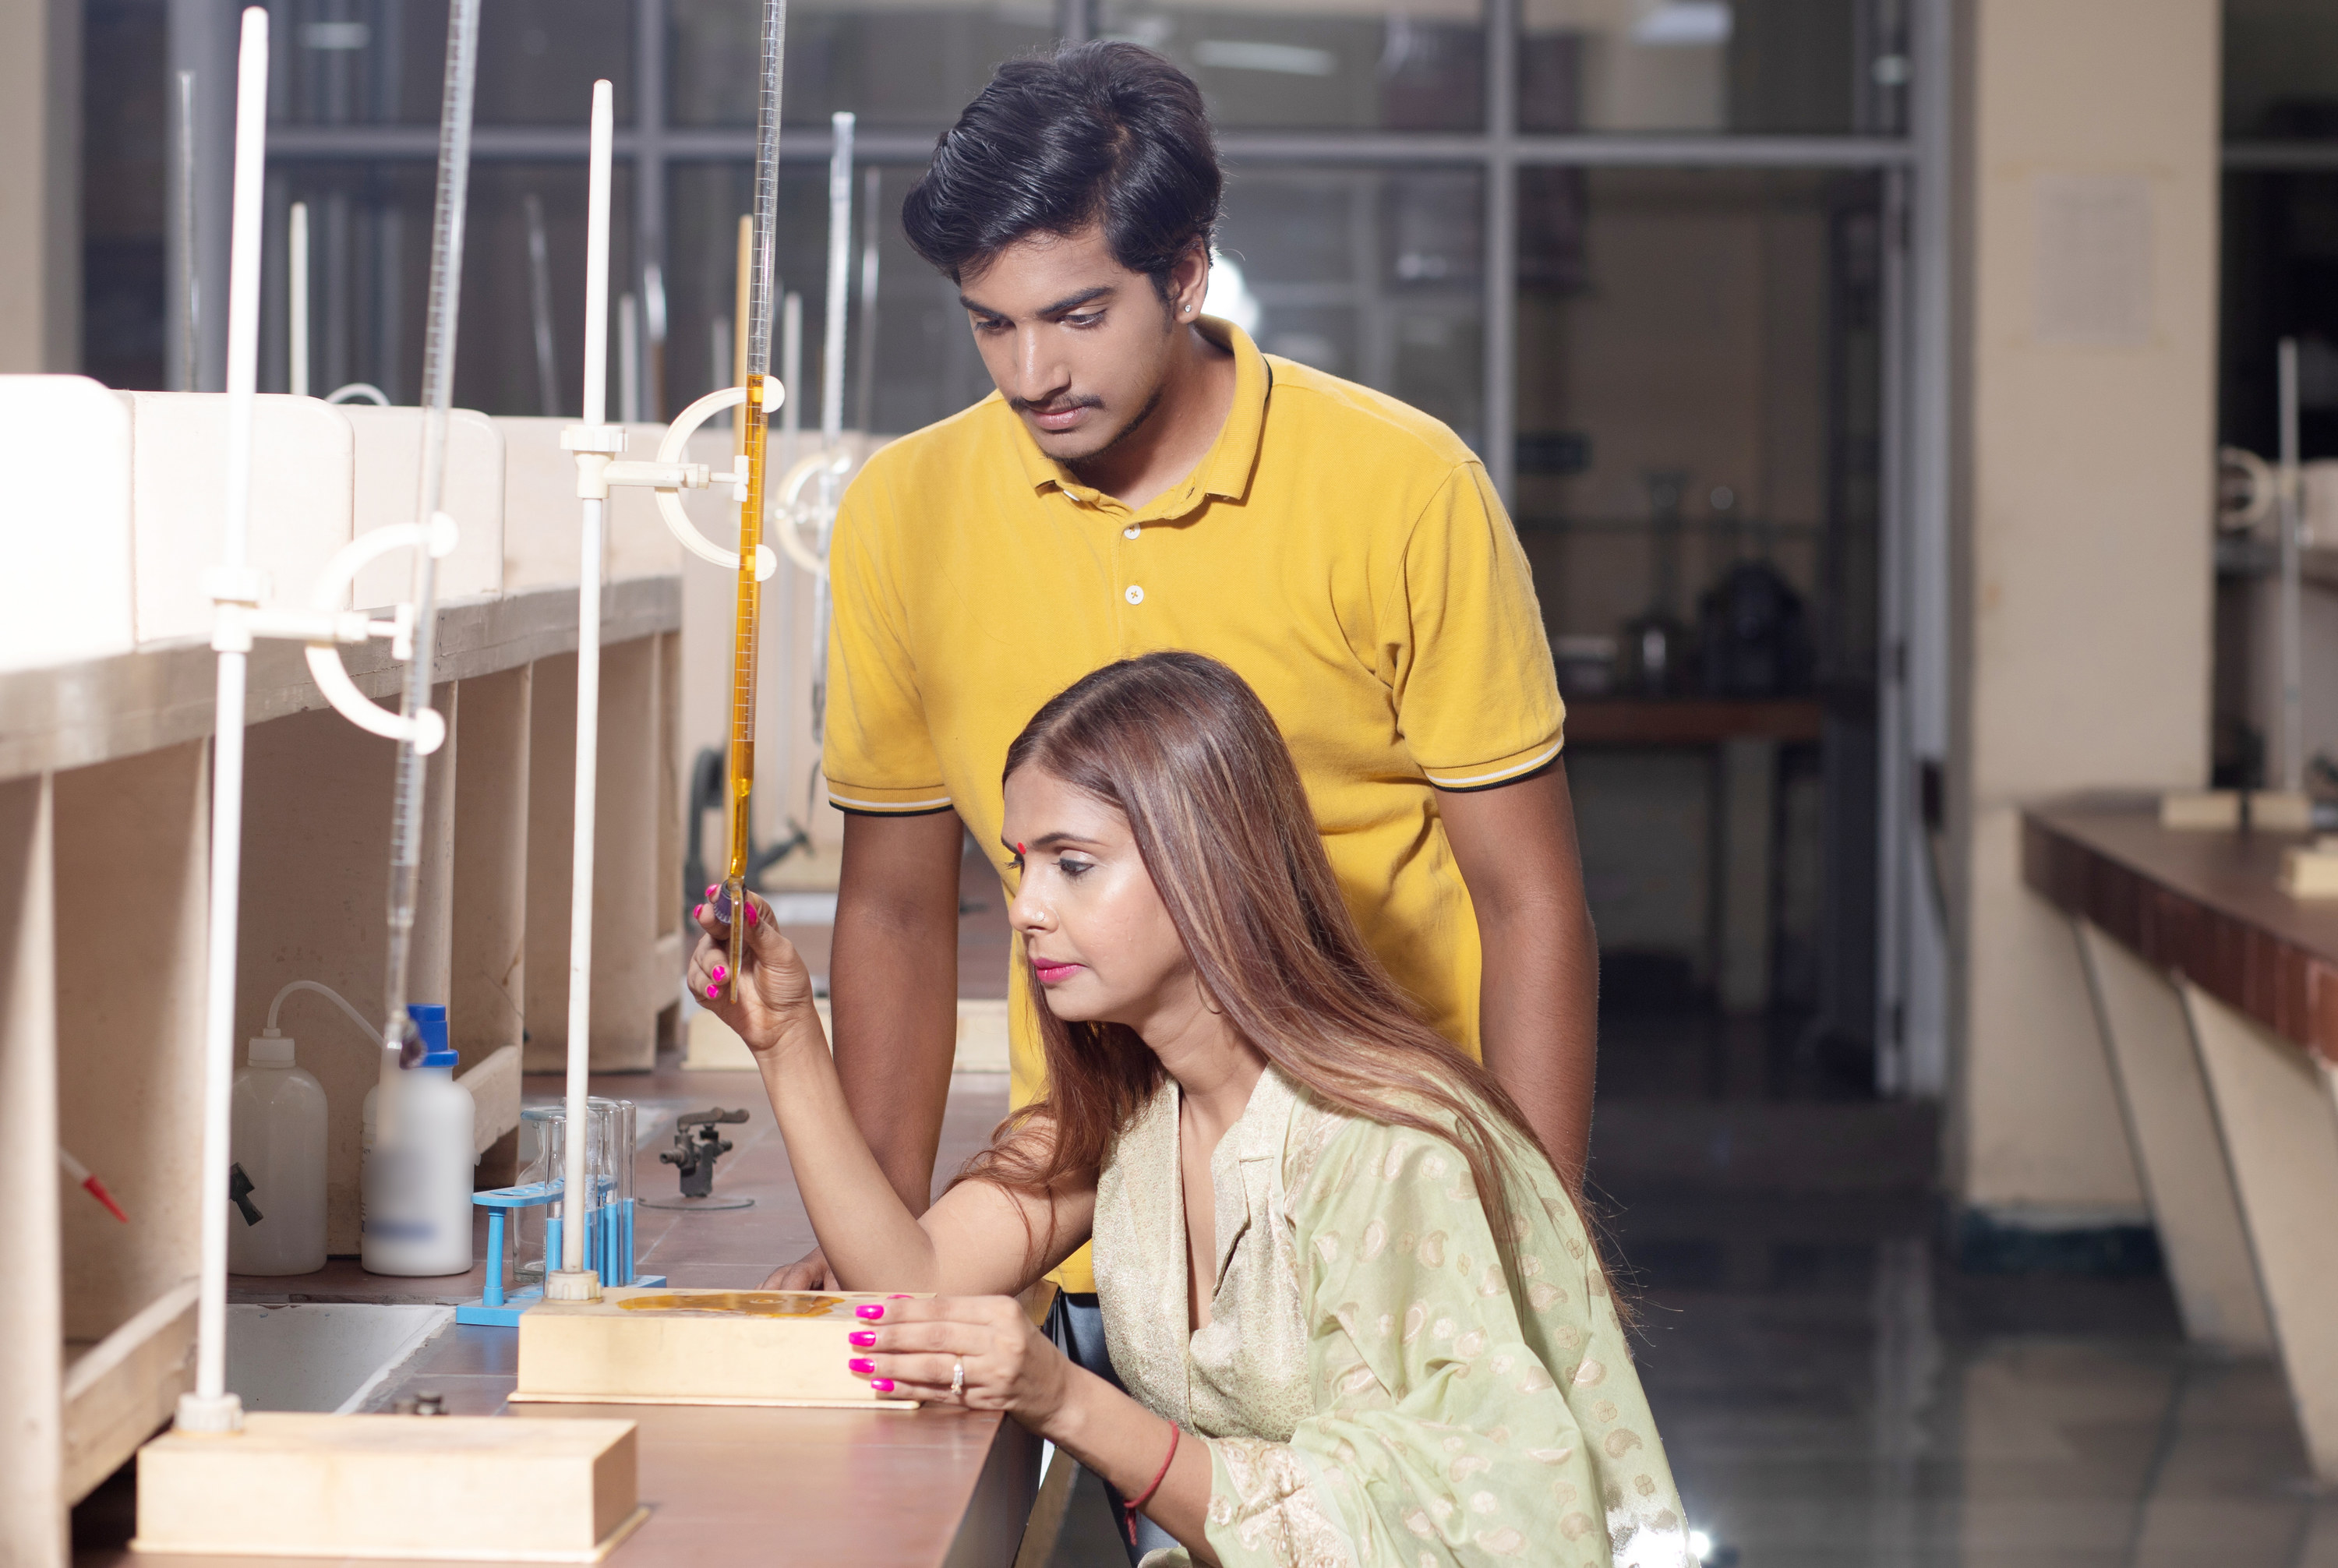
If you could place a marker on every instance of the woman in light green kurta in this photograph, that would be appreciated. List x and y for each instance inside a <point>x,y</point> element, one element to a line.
<point>1326,1246</point>
<point>1376,1388</point>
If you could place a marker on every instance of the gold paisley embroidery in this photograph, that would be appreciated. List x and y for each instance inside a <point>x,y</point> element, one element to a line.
<point>1542,1295</point>
<point>1620,1442</point>
<point>1589,1375</point>
<point>1431,1251</point>
<point>1276,1512</point>
<point>1484,1503</point>
<point>1375,1239</point>
<point>1575,1527</point>
<point>1536,1380</point>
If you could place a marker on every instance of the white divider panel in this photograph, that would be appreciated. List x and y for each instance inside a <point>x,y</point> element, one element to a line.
<point>389,478</point>
<point>66,594</point>
<point>31,1509</point>
<point>2178,1150</point>
<point>541,519</point>
<point>2278,1115</point>
<point>302,489</point>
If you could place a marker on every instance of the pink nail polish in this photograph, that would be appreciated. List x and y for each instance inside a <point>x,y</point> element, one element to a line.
<point>882,1385</point>
<point>869,1309</point>
<point>720,971</point>
<point>750,914</point>
<point>862,1363</point>
<point>711,887</point>
<point>713,993</point>
<point>899,1295</point>
<point>864,1337</point>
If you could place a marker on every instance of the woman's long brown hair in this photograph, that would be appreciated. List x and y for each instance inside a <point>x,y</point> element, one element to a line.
<point>1184,748</point>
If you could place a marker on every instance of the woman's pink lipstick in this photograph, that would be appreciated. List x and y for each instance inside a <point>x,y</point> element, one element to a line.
<point>1054,974</point>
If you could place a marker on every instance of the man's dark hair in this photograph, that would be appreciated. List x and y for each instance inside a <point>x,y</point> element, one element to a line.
<point>1107,132</point>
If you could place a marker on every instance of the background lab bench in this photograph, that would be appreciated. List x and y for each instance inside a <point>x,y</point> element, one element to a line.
<point>2216,995</point>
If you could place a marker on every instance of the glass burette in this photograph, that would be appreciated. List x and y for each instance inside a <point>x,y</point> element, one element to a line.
<point>753,416</point>
<point>401,1042</point>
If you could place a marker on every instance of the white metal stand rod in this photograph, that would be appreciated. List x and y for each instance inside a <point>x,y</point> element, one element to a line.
<point>296,302</point>
<point>211,1407</point>
<point>832,393</point>
<point>576,1198</point>
<point>2293,695</point>
<point>864,370</point>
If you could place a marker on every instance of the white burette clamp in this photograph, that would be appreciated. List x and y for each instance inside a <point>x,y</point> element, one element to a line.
<point>236,593</point>
<point>794,511</point>
<point>669,475</point>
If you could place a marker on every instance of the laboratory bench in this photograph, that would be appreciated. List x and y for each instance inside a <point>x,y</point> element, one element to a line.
<point>1744,737</point>
<point>2216,997</point>
<point>919,1489</point>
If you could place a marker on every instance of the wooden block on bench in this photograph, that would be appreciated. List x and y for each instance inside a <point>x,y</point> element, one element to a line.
<point>2310,872</point>
<point>466,1488</point>
<point>648,1346</point>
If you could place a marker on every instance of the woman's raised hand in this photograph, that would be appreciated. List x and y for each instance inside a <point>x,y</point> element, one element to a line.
<point>773,1005</point>
<point>915,1349</point>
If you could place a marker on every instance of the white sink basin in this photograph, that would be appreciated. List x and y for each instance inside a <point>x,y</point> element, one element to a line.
<point>322,1356</point>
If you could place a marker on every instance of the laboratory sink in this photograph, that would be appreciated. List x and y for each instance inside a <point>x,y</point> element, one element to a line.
<point>323,1356</point>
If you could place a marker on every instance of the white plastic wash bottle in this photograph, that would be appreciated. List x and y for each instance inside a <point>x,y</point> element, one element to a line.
<point>417,1191</point>
<point>277,1140</point>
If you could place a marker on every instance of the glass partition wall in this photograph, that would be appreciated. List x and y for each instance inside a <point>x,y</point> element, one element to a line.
<point>1660,261</point>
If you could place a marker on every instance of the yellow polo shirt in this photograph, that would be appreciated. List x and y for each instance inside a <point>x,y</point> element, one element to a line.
<point>1344,553</point>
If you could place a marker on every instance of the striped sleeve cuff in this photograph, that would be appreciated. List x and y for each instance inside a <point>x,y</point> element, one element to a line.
<point>1499,770</point>
<point>875,800</point>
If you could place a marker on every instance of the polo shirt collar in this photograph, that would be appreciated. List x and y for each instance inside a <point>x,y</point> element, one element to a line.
<point>1224,471</point>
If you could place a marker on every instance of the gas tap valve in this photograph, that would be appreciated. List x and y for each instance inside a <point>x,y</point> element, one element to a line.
<point>694,1155</point>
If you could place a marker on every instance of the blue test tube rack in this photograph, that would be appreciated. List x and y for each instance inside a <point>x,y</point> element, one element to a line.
<point>608,1249</point>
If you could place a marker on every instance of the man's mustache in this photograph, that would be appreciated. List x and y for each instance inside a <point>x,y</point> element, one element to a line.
<point>1053,405</point>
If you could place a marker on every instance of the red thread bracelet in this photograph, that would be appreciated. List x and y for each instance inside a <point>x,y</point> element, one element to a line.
<point>1128,1509</point>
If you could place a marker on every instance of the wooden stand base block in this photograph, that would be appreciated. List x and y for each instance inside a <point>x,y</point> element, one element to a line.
<point>657,1347</point>
<point>464,1488</point>
<point>2310,872</point>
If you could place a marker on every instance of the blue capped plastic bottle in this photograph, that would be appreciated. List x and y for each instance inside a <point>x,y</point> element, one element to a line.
<point>418,1187</point>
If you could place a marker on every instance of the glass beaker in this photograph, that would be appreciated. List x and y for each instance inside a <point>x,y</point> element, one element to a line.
<point>609,1179</point>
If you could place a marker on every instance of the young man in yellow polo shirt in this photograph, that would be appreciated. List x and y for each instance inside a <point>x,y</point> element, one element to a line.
<point>1144,478</point>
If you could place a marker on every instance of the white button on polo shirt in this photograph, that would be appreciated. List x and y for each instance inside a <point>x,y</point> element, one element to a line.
<point>1132,531</point>
<point>1136,595</point>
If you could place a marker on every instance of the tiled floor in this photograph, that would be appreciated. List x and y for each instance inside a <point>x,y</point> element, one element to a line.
<point>1832,1392</point>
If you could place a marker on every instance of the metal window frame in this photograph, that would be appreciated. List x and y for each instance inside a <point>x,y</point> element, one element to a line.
<point>1911,1027</point>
